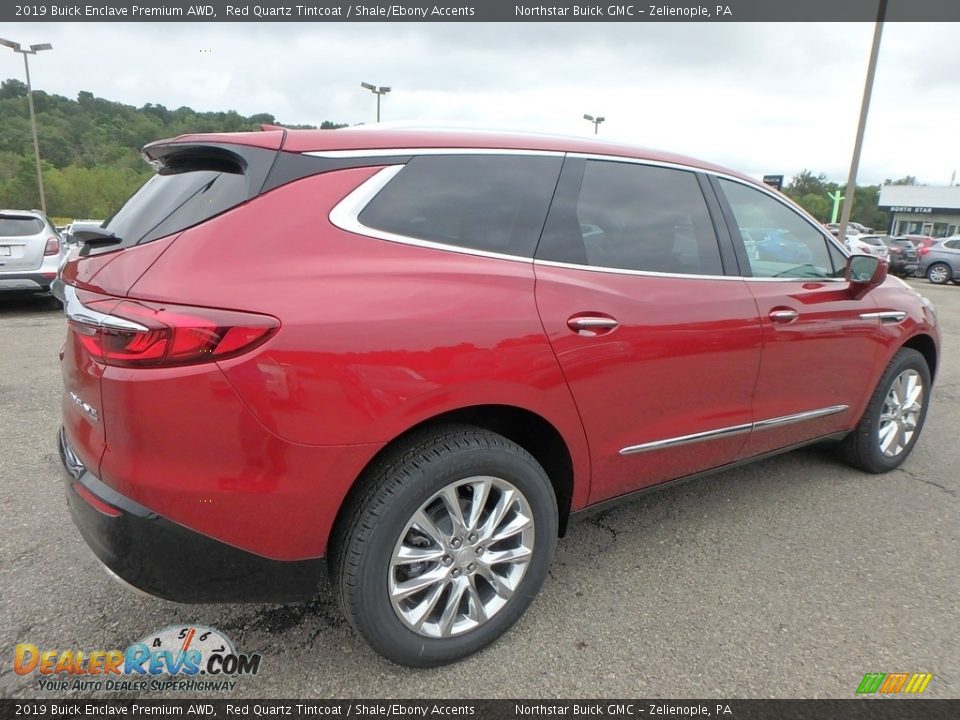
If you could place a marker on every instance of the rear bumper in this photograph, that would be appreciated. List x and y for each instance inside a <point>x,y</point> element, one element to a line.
<point>165,559</point>
<point>34,281</point>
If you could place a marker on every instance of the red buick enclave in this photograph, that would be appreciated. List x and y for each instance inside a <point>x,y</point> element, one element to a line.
<point>408,358</point>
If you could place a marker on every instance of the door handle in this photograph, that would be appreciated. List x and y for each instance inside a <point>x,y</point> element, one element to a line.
<point>783,317</point>
<point>591,324</point>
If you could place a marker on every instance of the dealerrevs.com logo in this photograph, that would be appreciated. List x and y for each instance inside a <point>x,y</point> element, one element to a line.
<point>192,657</point>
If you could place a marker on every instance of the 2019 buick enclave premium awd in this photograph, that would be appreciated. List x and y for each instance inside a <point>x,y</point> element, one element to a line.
<point>407,358</point>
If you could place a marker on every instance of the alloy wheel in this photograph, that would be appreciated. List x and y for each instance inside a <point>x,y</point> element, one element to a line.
<point>461,557</point>
<point>900,413</point>
<point>938,274</point>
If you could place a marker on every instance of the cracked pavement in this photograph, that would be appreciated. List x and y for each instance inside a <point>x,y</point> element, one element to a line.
<point>788,578</point>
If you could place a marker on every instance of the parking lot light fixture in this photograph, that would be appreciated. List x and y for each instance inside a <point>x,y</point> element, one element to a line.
<point>378,91</point>
<point>31,50</point>
<point>595,120</point>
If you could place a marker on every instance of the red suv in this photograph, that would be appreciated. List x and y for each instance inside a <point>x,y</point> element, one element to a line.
<point>409,358</point>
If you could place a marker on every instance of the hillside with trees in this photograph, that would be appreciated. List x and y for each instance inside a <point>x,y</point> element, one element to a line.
<point>90,147</point>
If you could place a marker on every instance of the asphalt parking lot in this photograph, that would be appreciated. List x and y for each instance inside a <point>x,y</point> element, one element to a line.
<point>788,578</point>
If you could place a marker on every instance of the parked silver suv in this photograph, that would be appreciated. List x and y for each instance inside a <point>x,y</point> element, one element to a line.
<point>30,251</point>
<point>940,262</point>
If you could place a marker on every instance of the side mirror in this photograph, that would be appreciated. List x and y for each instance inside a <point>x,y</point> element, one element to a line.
<point>865,272</point>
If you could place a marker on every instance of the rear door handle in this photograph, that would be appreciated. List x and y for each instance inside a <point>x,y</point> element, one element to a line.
<point>591,325</point>
<point>783,317</point>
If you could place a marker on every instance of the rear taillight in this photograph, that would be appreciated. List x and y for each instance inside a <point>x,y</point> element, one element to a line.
<point>137,333</point>
<point>52,247</point>
<point>923,250</point>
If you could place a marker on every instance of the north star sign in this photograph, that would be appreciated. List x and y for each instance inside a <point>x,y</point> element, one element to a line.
<point>906,209</point>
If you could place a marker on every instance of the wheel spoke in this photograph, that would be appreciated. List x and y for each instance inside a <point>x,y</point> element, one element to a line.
<point>517,524</point>
<point>410,554</point>
<point>481,491</point>
<point>498,584</point>
<point>451,501</point>
<point>499,511</point>
<point>427,526</point>
<point>452,609</point>
<point>426,606</point>
<point>888,435</point>
<point>414,585</point>
<point>478,612</point>
<point>519,554</point>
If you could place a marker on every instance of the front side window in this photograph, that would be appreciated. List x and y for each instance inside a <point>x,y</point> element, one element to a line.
<point>779,242</point>
<point>634,217</point>
<point>493,203</point>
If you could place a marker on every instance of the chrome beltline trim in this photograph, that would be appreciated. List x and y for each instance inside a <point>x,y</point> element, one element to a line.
<point>733,430</point>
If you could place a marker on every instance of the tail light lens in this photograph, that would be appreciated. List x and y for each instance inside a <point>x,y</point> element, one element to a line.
<point>52,247</point>
<point>137,333</point>
<point>923,250</point>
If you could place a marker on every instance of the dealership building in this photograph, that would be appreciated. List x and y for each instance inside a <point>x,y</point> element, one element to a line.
<point>921,209</point>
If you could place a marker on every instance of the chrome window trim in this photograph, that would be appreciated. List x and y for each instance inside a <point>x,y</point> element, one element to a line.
<point>403,152</point>
<point>346,216</point>
<point>733,430</point>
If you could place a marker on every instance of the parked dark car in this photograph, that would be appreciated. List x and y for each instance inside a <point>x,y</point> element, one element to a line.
<point>940,262</point>
<point>410,358</point>
<point>904,259</point>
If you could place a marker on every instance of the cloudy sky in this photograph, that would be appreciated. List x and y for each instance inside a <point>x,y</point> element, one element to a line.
<point>761,98</point>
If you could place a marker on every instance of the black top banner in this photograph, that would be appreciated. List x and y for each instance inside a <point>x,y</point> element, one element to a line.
<point>625,709</point>
<point>477,10</point>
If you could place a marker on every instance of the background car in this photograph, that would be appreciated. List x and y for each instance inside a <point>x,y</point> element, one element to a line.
<point>904,259</point>
<point>70,230</point>
<point>867,245</point>
<point>30,251</point>
<point>940,262</point>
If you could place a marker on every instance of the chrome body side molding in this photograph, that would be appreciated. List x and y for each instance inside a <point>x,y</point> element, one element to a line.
<point>734,430</point>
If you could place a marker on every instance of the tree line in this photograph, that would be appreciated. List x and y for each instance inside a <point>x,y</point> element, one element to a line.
<point>90,147</point>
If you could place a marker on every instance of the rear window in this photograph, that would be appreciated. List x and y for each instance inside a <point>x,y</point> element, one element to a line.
<point>194,184</point>
<point>173,201</point>
<point>494,203</point>
<point>20,226</point>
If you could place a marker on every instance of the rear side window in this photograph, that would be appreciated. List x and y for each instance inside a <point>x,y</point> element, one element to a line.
<point>20,226</point>
<point>634,217</point>
<point>494,203</point>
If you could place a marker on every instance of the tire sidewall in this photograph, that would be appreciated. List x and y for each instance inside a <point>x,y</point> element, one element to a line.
<point>384,629</point>
<point>947,277</point>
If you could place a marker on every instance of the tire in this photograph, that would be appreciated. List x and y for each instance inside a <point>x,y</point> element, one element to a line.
<point>863,448</point>
<point>939,273</point>
<point>373,548</point>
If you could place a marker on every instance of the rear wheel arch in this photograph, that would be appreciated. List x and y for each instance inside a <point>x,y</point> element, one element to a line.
<point>531,431</point>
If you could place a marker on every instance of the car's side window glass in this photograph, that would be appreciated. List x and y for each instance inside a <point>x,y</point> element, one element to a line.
<point>634,217</point>
<point>838,259</point>
<point>779,243</point>
<point>952,244</point>
<point>494,203</point>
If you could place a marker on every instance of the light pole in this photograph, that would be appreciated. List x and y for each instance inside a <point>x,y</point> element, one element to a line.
<point>862,126</point>
<point>596,122</point>
<point>378,91</point>
<point>32,50</point>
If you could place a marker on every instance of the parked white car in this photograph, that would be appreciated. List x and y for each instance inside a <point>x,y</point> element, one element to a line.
<point>867,245</point>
